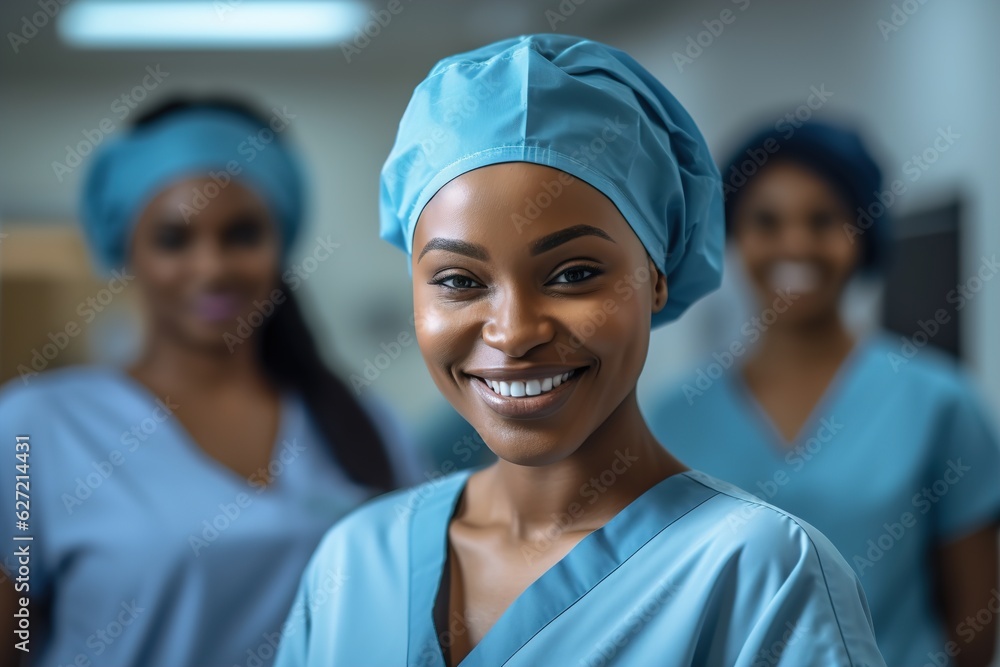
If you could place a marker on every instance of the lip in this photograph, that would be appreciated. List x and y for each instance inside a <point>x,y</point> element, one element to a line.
<point>527,407</point>
<point>218,307</point>
<point>509,373</point>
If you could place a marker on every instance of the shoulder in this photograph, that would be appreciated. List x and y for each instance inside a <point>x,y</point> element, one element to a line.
<point>382,525</point>
<point>919,369</point>
<point>699,389</point>
<point>772,572</point>
<point>762,521</point>
<point>762,536</point>
<point>372,521</point>
<point>23,395</point>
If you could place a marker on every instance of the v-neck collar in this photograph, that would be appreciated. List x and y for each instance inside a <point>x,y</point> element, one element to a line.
<point>848,371</point>
<point>289,414</point>
<point>594,558</point>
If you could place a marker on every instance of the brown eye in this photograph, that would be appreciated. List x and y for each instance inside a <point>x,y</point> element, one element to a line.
<point>762,221</point>
<point>576,274</point>
<point>456,282</point>
<point>822,221</point>
<point>171,237</point>
<point>244,231</point>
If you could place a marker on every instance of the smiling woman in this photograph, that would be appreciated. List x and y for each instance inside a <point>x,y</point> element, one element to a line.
<point>810,410</point>
<point>493,305</point>
<point>587,542</point>
<point>202,516</point>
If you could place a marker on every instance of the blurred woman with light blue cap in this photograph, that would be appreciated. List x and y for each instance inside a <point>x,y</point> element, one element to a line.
<point>555,201</point>
<point>891,456</point>
<point>175,503</point>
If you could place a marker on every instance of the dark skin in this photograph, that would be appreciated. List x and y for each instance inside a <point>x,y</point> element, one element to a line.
<point>790,215</point>
<point>790,219</point>
<point>197,278</point>
<point>494,303</point>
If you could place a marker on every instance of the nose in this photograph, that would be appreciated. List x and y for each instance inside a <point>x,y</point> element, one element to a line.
<point>798,240</point>
<point>208,260</point>
<point>517,325</point>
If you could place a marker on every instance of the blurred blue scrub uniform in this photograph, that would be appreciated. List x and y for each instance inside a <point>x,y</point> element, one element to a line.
<point>147,551</point>
<point>896,459</point>
<point>694,572</point>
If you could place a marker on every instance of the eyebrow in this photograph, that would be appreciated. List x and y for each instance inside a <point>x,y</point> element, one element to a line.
<point>556,239</point>
<point>544,244</point>
<point>454,245</point>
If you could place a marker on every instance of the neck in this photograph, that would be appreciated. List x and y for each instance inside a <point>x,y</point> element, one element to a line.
<point>793,343</point>
<point>614,466</point>
<point>168,363</point>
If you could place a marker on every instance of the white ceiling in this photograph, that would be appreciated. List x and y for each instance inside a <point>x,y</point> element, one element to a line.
<point>423,32</point>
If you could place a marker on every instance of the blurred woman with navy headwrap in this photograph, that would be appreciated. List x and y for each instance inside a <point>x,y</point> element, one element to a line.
<point>555,201</point>
<point>177,502</point>
<point>891,457</point>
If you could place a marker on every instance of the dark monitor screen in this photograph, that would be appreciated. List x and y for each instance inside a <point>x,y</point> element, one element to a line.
<point>921,298</point>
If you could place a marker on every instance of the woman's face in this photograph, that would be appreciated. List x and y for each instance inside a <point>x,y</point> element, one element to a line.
<point>792,230</point>
<point>532,299</point>
<point>201,274</point>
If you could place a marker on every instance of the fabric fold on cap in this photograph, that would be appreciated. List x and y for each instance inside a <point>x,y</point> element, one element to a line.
<point>584,108</point>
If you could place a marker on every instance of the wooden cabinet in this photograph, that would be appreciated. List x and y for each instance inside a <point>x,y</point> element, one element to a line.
<point>55,310</point>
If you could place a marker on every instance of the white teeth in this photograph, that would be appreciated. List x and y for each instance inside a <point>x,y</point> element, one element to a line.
<point>522,388</point>
<point>797,277</point>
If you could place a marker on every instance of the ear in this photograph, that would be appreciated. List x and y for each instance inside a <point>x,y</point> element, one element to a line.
<point>659,288</point>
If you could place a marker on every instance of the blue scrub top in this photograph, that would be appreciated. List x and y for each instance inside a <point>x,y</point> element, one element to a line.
<point>694,572</point>
<point>146,550</point>
<point>897,458</point>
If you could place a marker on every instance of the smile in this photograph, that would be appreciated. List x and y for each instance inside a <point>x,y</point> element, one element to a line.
<point>796,277</point>
<point>522,388</point>
<point>517,395</point>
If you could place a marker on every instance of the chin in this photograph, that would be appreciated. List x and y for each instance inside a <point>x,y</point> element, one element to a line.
<point>214,337</point>
<point>524,447</point>
<point>808,312</point>
<point>531,459</point>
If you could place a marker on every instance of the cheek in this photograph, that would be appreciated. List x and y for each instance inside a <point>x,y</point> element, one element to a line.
<point>752,246</point>
<point>755,252</point>
<point>612,326</point>
<point>627,330</point>
<point>443,334</point>
<point>162,275</point>
<point>260,267</point>
<point>844,253</point>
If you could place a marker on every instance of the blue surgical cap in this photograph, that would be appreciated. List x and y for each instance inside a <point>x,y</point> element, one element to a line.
<point>217,143</point>
<point>836,154</point>
<point>579,106</point>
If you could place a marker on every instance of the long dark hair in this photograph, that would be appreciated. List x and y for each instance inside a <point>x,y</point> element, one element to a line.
<point>291,360</point>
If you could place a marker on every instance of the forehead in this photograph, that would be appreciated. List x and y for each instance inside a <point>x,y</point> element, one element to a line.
<point>791,182</point>
<point>204,198</point>
<point>515,201</point>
